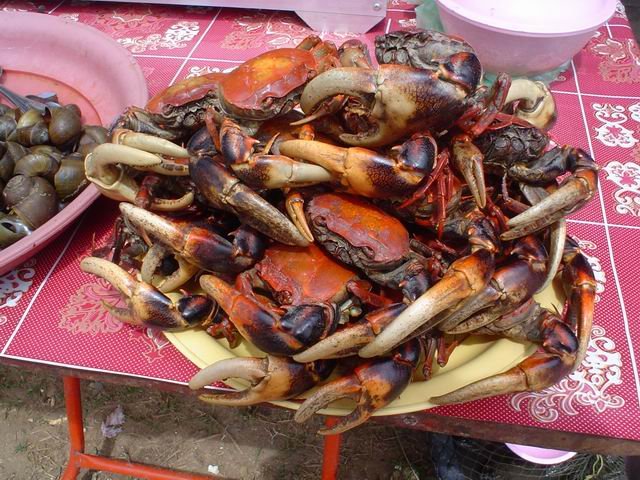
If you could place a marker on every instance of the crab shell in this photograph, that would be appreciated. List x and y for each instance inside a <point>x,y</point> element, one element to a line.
<point>297,275</point>
<point>266,82</point>
<point>191,90</point>
<point>258,89</point>
<point>357,232</point>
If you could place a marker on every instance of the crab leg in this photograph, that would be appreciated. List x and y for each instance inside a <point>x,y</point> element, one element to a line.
<point>145,305</point>
<point>373,385</point>
<point>563,350</point>
<point>224,191</point>
<point>272,378</point>
<point>199,246</point>
<point>466,276</point>
<point>469,161</point>
<point>574,192</point>
<point>353,336</point>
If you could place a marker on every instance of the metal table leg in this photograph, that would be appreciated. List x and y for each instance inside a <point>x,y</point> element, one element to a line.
<point>80,460</point>
<point>331,453</point>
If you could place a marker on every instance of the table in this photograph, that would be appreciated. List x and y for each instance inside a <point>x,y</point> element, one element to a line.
<point>596,409</point>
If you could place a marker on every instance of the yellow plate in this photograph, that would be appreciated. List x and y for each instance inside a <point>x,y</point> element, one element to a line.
<point>476,358</point>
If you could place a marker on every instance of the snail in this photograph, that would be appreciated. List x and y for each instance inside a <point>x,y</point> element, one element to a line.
<point>41,164</point>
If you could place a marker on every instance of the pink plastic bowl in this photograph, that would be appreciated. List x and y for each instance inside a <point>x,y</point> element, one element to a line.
<point>84,66</point>
<point>543,456</point>
<point>523,37</point>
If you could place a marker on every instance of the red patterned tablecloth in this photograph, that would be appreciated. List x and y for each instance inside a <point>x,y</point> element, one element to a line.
<point>50,311</point>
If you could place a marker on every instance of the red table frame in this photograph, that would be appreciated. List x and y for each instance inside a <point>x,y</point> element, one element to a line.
<point>78,459</point>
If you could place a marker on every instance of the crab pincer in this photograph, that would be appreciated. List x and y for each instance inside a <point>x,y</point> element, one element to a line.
<point>146,305</point>
<point>262,169</point>
<point>272,378</point>
<point>562,349</point>
<point>573,193</point>
<point>264,325</point>
<point>466,277</point>
<point>367,172</point>
<point>200,246</point>
<point>353,336</point>
<point>373,384</point>
<point>223,190</point>
<point>104,167</point>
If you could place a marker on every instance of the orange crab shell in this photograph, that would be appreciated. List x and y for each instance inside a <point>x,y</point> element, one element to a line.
<point>363,225</point>
<point>188,90</point>
<point>303,275</point>
<point>271,74</point>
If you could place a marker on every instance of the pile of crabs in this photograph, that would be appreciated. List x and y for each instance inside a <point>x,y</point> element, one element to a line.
<point>353,222</point>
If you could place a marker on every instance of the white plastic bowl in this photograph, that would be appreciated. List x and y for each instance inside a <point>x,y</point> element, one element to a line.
<point>524,37</point>
<point>543,456</point>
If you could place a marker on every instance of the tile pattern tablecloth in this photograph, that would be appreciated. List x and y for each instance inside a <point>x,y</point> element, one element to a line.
<point>50,312</point>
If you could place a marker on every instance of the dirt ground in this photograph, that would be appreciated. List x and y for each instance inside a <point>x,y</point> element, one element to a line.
<point>170,430</point>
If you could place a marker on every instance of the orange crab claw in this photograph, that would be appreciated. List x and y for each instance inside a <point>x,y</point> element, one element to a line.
<point>200,246</point>
<point>353,336</point>
<point>145,305</point>
<point>265,327</point>
<point>373,385</point>
<point>272,378</point>
<point>466,277</point>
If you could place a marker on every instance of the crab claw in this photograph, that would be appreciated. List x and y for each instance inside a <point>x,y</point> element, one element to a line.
<point>537,105</point>
<point>272,378</point>
<point>278,171</point>
<point>148,143</point>
<point>147,306</point>
<point>353,336</point>
<point>222,190</point>
<point>165,283</point>
<point>372,385</point>
<point>572,194</point>
<point>562,349</point>
<point>469,161</point>
<point>267,329</point>
<point>537,372</point>
<point>465,277</point>
<point>103,167</point>
<point>366,172</point>
<point>199,246</point>
<point>360,83</point>
<point>352,81</point>
<point>294,204</point>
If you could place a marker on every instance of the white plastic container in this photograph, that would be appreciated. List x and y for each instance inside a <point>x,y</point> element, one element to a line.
<point>524,37</point>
